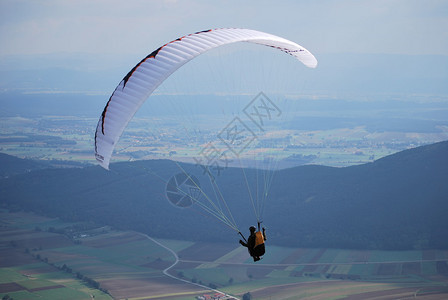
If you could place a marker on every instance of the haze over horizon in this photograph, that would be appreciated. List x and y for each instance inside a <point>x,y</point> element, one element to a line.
<point>363,46</point>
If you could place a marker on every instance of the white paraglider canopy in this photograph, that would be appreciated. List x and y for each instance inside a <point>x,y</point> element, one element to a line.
<point>149,73</point>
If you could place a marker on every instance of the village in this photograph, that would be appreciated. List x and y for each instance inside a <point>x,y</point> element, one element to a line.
<point>215,296</point>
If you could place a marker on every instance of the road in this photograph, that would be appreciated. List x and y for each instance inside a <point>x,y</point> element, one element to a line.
<point>176,261</point>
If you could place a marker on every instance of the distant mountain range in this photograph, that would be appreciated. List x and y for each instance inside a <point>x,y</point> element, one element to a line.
<point>397,202</point>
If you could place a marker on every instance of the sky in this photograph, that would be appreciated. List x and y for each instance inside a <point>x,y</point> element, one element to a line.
<point>325,26</point>
<point>113,35</point>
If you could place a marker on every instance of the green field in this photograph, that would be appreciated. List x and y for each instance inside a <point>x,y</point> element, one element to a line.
<point>79,261</point>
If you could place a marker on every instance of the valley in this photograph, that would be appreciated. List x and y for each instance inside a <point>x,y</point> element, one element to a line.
<point>45,257</point>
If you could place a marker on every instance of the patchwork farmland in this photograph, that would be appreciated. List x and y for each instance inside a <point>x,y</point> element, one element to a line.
<point>49,259</point>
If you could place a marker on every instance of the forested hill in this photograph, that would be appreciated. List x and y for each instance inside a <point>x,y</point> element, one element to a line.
<point>10,165</point>
<point>397,202</point>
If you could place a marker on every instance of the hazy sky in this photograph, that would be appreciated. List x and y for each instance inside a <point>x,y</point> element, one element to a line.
<point>323,26</point>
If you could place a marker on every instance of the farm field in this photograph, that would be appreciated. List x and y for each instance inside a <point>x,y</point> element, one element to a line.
<point>49,259</point>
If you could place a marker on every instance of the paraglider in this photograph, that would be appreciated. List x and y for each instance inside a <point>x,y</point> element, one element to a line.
<point>151,71</point>
<point>183,190</point>
<point>255,242</point>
